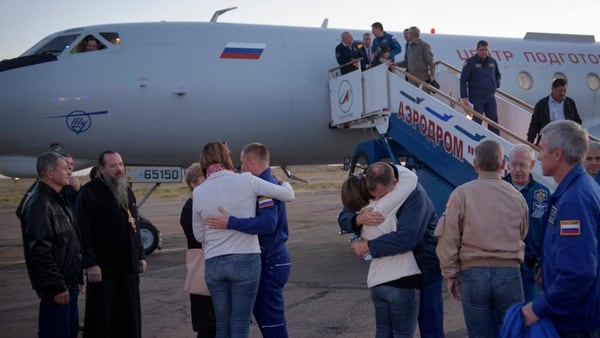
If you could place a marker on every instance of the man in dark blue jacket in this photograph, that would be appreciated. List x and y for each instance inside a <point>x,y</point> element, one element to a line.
<point>270,224</point>
<point>416,223</point>
<point>479,80</point>
<point>521,162</point>
<point>570,266</point>
<point>347,51</point>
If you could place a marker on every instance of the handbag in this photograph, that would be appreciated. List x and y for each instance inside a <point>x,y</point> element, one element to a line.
<point>433,83</point>
<point>194,279</point>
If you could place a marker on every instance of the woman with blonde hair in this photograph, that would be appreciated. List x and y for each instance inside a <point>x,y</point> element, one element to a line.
<point>203,315</point>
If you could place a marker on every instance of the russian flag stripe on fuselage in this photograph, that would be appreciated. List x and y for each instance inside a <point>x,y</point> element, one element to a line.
<point>235,50</point>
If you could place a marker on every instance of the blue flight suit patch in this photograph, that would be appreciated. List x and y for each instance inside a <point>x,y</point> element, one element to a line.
<point>539,209</point>
<point>540,195</point>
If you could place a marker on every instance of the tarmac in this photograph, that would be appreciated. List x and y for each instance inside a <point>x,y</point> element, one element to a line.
<point>326,295</point>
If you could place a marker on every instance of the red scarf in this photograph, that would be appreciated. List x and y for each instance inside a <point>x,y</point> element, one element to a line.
<point>213,168</point>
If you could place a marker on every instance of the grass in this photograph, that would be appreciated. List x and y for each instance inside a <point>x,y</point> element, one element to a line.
<point>319,177</point>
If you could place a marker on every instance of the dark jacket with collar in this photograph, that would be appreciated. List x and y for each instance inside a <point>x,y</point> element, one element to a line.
<point>479,77</point>
<point>570,257</point>
<point>541,117</point>
<point>50,241</point>
<point>537,196</point>
<point>345,54</point>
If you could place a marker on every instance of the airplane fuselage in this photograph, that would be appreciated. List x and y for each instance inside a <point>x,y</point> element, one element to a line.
<point>168,88</point>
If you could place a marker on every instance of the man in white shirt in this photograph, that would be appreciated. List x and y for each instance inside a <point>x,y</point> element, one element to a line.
<point>554,107</point>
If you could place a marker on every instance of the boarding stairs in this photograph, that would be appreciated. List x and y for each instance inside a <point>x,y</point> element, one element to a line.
<point>430,133</point>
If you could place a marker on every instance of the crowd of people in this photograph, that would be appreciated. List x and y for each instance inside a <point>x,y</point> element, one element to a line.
<point>490,263</point>
<point>506,246</point>
<point>237,259</point>
<point>352,55</point>
<point>480,76</point>
<point>537,250</point>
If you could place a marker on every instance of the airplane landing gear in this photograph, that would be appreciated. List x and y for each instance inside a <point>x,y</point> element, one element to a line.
<point>149,234</point>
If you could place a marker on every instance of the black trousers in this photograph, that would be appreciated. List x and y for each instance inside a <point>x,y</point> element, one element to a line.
<point>112,307</point>
<point>203,316</point>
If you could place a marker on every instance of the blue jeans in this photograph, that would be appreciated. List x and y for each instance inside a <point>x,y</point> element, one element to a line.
<point>431,310</point>
<point>486,294</point>
<point>396,311</point>
<point>269,309</point>
<point>58,321</point>
<point>233,283</point>
<point>530,289</point>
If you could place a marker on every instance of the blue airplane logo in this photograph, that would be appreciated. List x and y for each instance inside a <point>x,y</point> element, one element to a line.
<point>79,121</point>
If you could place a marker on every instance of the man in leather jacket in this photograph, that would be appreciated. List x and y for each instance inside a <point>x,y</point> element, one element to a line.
<point>52,249</point>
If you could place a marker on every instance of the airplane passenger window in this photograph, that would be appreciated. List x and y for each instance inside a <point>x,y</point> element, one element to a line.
<point>559,75</point>
<point>111,37</point>
<point>593,81</point>
<point>525,80</point>
<point>57,45</point>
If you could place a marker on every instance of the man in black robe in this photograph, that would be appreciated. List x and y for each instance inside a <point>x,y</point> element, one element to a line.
<point>112,252</point>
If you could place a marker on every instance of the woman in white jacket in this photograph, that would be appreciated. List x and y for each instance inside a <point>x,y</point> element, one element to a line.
<point>392,280</point>
<point>232,270</point>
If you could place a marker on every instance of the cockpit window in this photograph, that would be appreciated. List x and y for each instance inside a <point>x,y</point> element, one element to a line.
<point>111,37</point>
<point>88,44</point>
<point>57,45</point>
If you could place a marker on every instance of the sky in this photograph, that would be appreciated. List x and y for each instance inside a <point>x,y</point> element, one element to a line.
<point>25,22</point>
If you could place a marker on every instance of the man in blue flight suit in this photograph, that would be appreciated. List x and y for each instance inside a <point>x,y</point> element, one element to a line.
<point>384,39</point>
<point>479,80</point>
<point>270,224</point>
<point>570,266</point>
<point>347,51</point>
<point>521,162</point>
<point>418,220</point>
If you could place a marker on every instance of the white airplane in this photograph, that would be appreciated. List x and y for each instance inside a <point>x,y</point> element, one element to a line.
<point>157,92</point>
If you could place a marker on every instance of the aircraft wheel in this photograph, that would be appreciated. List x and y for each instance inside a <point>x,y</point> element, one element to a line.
<point>149,234</point>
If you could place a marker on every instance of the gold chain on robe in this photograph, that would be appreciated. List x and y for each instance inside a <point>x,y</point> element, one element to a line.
<point>131,220</point>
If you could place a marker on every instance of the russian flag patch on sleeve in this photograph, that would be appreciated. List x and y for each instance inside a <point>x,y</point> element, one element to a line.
<point>570,227</point>
<point>265,202</point>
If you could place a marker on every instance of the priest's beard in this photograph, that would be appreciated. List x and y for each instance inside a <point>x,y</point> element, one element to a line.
<point>119,187</point>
